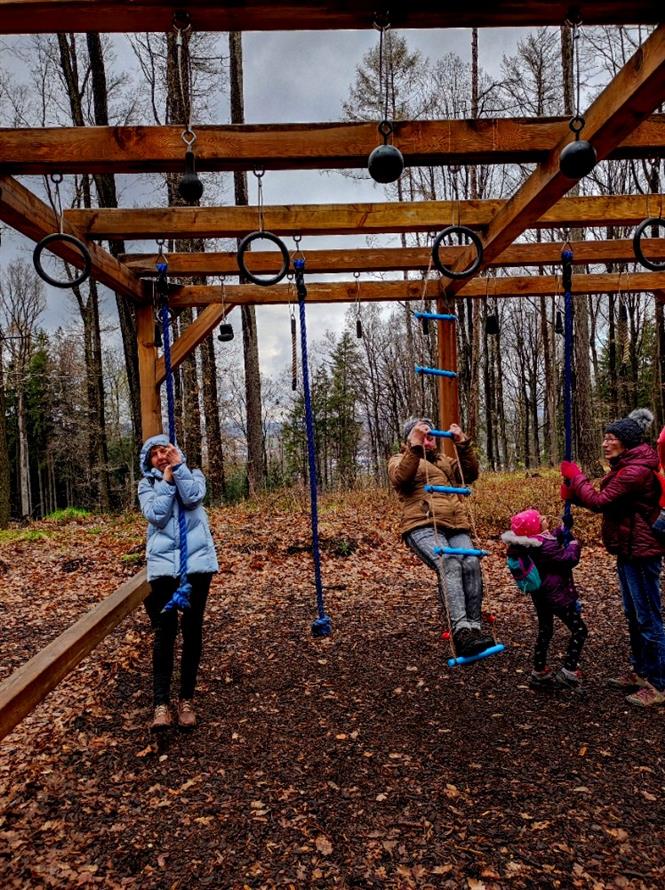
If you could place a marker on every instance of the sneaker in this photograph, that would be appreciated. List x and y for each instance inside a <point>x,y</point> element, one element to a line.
<point>468,642</point>
<point>628,681</point>
<point>162,719</point>
<point>186,715</point>
<point>646,697</point>
<point>568,679</point>
<point>542,679</point>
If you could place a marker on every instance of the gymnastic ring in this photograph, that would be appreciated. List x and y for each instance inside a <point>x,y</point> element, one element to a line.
<point>457,230</point>
<point>654,265</point>
<point>267,236</point>
<point>83,275</point>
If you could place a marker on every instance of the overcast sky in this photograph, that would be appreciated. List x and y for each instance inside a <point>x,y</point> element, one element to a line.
<point>290,77</point>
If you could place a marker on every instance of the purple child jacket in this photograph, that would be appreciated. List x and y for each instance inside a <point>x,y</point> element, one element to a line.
<point>555,563</point>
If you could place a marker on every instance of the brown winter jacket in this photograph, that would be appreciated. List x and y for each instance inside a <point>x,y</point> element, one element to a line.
<point>628,499</point>
<point>409,471</point>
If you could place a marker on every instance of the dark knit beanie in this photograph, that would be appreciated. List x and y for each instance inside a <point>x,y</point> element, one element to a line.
<point>412,421</point>
<point>630,430</point>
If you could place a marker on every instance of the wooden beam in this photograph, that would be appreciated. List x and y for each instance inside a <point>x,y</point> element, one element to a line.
<point>43,16</point>
<point>296,146</point>
<point>398,289</point>
<point>29,215</point>
<point>352,219</point>
<point>387,259</point>
<point>629,98</point>
<point>151,411</point>
<point>32,682</point>
<point>194,334</point>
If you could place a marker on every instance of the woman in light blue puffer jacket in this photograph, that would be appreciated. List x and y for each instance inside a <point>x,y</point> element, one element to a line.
<point>168,486</point>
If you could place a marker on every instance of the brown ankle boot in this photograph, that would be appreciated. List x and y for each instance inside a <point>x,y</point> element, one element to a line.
<point>162,719</point>
<point>186,715</point>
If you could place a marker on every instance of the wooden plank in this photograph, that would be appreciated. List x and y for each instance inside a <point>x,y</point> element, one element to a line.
<point>387,259</point>
<point>629,98</point>
<point>296,146</point>
<point>398,289</point>
<point>32,682</point>
<point>43,16</point>
<point>194,334</point>
<point>151,411</point>
<point>29,215</point>
<point>352,219</point>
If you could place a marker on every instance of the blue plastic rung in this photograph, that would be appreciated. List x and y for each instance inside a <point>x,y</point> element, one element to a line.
<point>449,489</point>
<point>441,434</point>
<point>461,551</point>
<point>322,627</point>
<point>437,372</point>
<point>436,316</point>
<point>469,659</point>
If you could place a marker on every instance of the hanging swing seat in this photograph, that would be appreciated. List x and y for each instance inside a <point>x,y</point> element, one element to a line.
<point>469,659</point>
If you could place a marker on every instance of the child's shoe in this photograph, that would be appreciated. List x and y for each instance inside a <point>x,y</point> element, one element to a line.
<point>186,715</point>
<point>162,719</point>
<point>646,697</point>
<point>628,681</point>
<point>542,679</point>
<point>566,679</point>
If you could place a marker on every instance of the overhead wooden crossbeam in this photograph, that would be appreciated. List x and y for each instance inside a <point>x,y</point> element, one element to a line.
<point>377,291</point>
<point>29,215</point>
<point>629,98</point>
<point>296,146</point>
<point>352,219</point>
<point>42,16</point>
<point>32,682</point>
<point>389,259</point>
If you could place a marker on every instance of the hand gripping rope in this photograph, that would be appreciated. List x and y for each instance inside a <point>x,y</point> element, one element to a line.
<point>180,599</point>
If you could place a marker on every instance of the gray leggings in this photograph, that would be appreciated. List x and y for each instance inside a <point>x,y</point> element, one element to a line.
<point>462,586</point>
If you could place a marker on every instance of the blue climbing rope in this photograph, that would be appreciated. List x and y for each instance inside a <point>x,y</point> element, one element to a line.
<point>180,599</point>
<point>321,626</point>
<point>567,280</point>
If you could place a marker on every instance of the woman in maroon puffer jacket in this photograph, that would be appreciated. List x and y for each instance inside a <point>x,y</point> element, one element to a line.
<point>628,499</point>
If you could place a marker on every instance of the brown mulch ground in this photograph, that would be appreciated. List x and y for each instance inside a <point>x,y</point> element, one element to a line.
<point>357,761</point>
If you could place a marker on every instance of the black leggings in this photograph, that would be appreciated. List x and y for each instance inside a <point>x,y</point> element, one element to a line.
<point>573,621</point>
<point>165,625</point>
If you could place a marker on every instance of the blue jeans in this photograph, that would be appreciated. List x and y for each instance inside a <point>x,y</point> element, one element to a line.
<point>640,588</point>
<point>460,578</point>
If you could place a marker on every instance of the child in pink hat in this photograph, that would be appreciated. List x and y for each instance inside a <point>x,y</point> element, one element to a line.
<point>552,589</point>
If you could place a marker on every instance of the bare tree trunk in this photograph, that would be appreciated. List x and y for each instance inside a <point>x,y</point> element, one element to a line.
<point>660,370</point>
<point>23,456</point>
<point>5,485</point>
<point>107,197</point>
<point>256,470</point>
<point>216,475</point>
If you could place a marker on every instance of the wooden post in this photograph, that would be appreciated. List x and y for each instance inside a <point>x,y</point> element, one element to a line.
<point>448,387</point>
<point>151,411</point>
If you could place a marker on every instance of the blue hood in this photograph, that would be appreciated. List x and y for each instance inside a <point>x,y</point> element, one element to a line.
<point>144,461</point>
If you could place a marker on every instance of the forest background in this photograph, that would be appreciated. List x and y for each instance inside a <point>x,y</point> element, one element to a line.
<point>69,407</point>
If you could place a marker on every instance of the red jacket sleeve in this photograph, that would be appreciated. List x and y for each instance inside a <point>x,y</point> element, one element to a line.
<point>629,480</point>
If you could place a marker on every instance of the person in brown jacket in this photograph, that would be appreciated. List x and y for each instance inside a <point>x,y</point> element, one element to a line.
<point>629,502</point>
<point>431,519</point>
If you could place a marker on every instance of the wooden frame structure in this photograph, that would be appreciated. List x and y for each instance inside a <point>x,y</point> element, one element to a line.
<point>620,124</point>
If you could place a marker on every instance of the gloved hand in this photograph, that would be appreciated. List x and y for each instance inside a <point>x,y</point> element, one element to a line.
<point>569,469</point>
<point>566,492</point>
